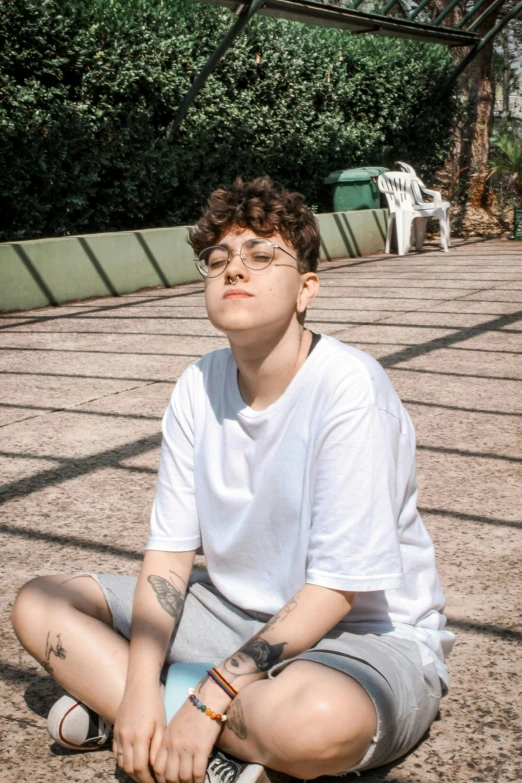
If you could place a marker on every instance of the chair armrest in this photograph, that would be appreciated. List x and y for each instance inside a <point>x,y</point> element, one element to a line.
<point>437,198</point>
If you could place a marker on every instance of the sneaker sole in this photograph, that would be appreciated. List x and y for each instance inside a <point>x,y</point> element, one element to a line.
<point>253,773</point>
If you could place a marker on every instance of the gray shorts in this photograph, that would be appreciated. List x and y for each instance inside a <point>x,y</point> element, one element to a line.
<point>405,693</point>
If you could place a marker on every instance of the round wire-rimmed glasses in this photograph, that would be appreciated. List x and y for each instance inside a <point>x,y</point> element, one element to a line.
<point>256,254</point>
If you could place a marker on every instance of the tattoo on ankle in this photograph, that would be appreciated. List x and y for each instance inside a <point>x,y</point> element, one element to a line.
<point>235,720</point>
<point>58,651</point>
<point>169,597</point>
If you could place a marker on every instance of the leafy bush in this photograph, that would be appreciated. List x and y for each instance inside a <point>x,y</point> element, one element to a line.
<point>89,87</point>
<point>506,157</point>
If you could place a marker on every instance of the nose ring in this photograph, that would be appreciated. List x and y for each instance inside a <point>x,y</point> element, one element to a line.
<point>232,282</point>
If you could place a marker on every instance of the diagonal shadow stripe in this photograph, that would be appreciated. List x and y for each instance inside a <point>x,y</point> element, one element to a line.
<point>442,512</point>
<point>466,333</point>
<point>501,632</point>
<point>102,274</point>
<point>35,274</point>
<point>54,538</point>
<point>152,259</point>
<point>462,453</point>
<point>77,467</point>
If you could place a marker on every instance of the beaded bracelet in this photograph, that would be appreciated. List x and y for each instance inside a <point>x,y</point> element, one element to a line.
<point>218,678</point>
<point>200,706</point>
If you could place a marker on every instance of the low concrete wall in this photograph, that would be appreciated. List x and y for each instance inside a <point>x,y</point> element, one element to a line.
<point>351,234</point>
<point>52,271</point>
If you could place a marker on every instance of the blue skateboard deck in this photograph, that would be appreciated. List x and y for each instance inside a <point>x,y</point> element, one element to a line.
<point>181,677</point>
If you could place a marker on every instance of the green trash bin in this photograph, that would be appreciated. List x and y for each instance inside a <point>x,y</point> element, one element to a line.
<point>355,188</point>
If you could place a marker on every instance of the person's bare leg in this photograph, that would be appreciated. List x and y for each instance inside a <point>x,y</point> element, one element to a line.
<point>66,625</point>
<point>310,720</point>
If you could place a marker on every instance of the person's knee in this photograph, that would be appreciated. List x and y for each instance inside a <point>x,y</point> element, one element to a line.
<point>28,606</point>
<point>313,733</point>
<point>42,598</point>
<point>317,730</point>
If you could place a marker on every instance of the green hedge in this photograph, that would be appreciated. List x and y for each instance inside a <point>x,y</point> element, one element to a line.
<point>88,88</point>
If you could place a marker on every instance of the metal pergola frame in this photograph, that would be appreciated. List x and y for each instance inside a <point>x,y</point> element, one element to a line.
<point>348,17</point>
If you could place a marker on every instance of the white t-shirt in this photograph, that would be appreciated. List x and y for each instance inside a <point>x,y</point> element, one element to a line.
<point>320,488</point>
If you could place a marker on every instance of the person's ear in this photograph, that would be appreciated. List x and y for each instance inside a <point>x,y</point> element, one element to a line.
<point>308,290</point>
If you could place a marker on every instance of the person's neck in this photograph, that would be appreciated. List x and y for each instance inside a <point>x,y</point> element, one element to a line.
<point>267,367</point>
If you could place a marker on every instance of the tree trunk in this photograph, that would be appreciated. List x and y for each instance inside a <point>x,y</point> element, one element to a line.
<point>464,178</point>
<point>506,73</point>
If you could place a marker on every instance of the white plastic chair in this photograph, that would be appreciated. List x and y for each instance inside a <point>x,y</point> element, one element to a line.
<point>435,195</point>
<point>407,168</point>
<point>409,212</point>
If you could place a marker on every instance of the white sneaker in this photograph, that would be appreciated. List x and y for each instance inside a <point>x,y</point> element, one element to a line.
<point>73,725</point>
<point>223,768</point>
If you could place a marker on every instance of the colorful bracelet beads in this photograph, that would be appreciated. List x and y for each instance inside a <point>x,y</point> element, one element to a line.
<point>200,706</point>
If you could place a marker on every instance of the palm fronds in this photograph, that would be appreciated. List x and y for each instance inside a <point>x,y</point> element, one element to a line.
<point>506,159</point>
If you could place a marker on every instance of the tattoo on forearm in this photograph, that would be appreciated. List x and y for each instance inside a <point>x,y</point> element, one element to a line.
<point>58,650</point>
<point>257,655</point>
<point>202,682</point>
<point>178,576</point>
<point>281,615</point>
<point>236,720</point>
<point>169,597</point>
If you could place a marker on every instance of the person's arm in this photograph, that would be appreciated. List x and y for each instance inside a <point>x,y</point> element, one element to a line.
<point>158,604</point>
<point>302,622</point>
<point>190,736</point>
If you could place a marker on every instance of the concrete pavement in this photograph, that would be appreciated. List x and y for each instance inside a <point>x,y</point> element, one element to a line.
<point>83,388</point>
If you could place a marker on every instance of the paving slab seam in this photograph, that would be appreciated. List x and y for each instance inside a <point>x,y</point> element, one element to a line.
<point>458,408</point>
<point>76,409</point>
<point>85,402</point>
<point>455,374</point>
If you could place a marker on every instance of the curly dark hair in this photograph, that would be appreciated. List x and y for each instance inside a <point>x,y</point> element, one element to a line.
<point>265,209</point>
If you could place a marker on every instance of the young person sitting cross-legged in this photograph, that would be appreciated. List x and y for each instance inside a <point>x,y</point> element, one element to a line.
<point>290,459</point>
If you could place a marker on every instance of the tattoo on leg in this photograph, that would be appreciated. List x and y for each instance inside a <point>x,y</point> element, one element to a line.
<point>58,651</point>
<point>47,666</point>
<point>235,720</point>
<point>169,597</point>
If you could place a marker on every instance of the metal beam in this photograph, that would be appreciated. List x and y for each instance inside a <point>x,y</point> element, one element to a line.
<point>515,11</point>
<point>470,13</point>
<point>443,14</point>
<point>245,14</point>
<point>343,18</point>
<point>484,15</point>
<point>388,7</point>
<point>418,9</point>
